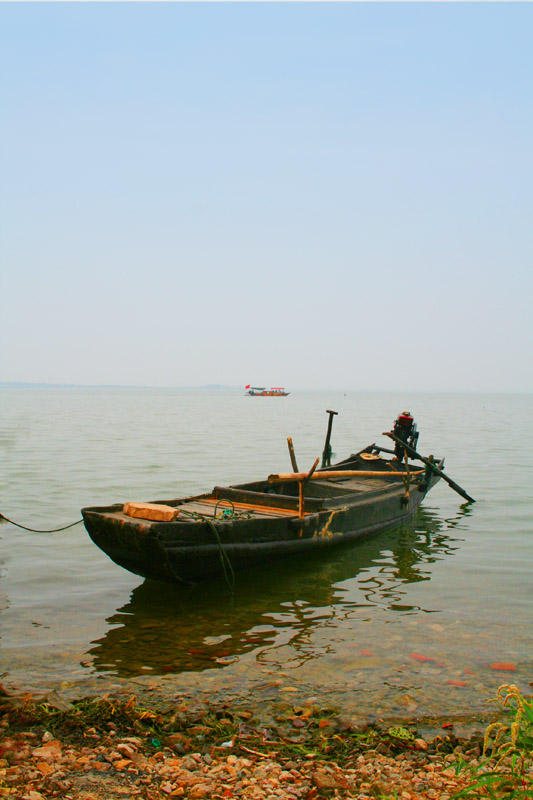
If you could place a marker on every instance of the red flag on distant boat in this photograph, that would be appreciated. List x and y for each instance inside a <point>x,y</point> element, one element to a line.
<point>247,387</point>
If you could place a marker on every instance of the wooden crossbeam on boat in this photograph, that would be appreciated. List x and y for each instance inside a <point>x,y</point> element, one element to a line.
<point>348,473</point>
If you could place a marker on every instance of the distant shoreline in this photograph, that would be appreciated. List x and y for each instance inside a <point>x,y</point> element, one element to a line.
<point>208,387</point>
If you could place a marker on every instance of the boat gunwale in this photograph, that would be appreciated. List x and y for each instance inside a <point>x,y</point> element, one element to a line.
<point>348,499</point>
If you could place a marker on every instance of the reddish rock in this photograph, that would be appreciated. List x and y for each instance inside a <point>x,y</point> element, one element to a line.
<point>327,780</point>
<point>298,722</point>
<point>422,659</point>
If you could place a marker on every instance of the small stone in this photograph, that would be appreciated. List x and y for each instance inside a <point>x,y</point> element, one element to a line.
<point>324,780</point>
<point>126,750</point>
<point>448,773</point>
<point>380,788</point>
<point>50,751</point>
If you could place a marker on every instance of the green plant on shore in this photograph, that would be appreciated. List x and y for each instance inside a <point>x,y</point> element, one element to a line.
<point>83,714</point>
<point>508,773</point>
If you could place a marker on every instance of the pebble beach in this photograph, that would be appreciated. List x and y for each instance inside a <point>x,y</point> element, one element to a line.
<point>55,754</point>
<point>34,768</point>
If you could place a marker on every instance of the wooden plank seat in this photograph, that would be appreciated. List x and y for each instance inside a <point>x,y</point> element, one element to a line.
<point>264,499</point>
<point>263,510</point>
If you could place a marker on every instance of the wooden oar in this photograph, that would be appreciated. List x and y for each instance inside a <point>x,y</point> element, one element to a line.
<point>413,454</point>
<point>384,450</point>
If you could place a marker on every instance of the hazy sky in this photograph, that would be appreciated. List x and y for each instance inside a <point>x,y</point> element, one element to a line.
<point>308,195</point>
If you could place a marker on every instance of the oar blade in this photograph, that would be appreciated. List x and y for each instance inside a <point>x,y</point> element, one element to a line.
<point>413,454</point>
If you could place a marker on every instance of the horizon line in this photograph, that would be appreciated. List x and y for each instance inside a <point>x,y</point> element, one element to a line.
<point>226,387</point>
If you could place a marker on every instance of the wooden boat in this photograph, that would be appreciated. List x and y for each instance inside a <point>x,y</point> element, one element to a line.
<point>261,391</point>
<point>252,524</point>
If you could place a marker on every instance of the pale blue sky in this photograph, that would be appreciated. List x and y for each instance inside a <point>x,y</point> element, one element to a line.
<point>311,195</point>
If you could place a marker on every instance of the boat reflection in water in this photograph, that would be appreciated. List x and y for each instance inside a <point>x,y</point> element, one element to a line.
<point>171,629</point>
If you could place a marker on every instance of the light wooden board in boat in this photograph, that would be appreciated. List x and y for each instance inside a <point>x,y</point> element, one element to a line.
<point>196,507</point>
<point>367,484</point>
<point>267,511</point>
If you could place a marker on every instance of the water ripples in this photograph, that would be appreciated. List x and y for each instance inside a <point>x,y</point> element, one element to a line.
<point>408,621</point>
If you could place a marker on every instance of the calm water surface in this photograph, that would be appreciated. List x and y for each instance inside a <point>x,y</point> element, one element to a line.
<point>407,623</point>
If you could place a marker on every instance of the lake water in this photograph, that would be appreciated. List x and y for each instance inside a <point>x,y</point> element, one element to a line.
<point>410,623</point>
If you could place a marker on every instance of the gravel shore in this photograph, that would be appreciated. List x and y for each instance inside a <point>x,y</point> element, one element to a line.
<point>51,754</point>
<point>33,768</point>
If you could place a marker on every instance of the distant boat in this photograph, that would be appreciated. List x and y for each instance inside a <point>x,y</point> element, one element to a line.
<point>261,391</point>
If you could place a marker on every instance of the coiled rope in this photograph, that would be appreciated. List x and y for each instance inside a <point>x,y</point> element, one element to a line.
<point>35,530</point>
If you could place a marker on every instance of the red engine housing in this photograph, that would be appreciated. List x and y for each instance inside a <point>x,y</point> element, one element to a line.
<point>405,419</point>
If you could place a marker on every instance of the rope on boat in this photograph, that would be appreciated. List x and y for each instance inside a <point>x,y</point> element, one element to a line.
<point>229,513</point>
<point>226,513</point>
<point>227,569</point>
<point>3,518</point>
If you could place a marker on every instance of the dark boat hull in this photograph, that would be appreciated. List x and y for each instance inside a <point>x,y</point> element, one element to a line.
<point>200,549</point>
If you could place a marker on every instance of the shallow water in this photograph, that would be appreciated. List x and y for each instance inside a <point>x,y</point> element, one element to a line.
<point>407,623</point>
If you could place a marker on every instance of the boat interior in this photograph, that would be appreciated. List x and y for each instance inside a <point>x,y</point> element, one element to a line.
<point>357,478</point>
<point>281,499</point>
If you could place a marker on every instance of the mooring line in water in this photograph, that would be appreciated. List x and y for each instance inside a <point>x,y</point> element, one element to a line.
<point>3,518</point>
<point>224,560</point>
<point>227,569</point>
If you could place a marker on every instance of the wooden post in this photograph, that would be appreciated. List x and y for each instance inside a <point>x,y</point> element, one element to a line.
<point>301,503</point>
<point>291,453</point>
<point>407,479</point>
<point>326,455</point>
<point>301,487</point>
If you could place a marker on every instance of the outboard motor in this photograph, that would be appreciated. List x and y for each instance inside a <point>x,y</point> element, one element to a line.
<point>404,429</point>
